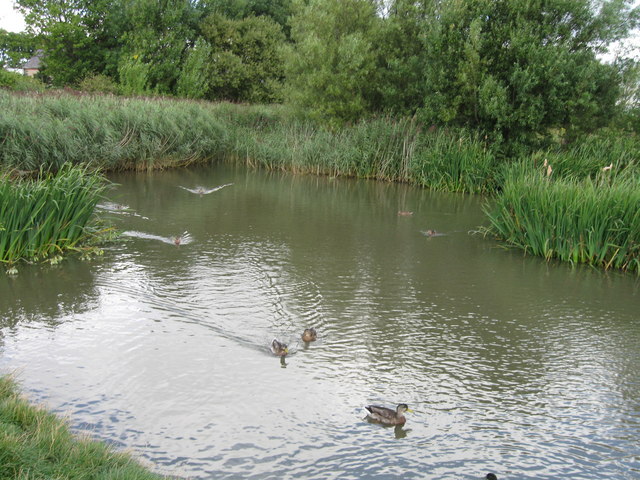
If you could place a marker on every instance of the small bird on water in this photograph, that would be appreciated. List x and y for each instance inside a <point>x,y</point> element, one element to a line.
<point>279,349</point>
<point>309,335</point>
<point>491,476</point>
<point>386,415</point>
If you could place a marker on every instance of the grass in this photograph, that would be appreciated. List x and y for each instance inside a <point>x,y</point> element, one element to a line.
<point>48,216</point>
<point>587,220</point>
<point>36,444</point>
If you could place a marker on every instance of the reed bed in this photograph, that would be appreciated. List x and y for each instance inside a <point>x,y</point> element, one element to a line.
<point>47,216</point>
<point>36,444</point>
<point>579,220</point>
<point>106,131</point>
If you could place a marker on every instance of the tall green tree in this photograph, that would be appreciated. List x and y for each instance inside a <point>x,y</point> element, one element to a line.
<point>516,68</point>
<point>246,58</point>
<point>158,35</point>
<point>16,48</point>
<point>330,68</point>
<point>76,35</point>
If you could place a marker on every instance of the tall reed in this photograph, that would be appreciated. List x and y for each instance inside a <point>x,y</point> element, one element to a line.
<point>49,215</point>
<point>593,221</point>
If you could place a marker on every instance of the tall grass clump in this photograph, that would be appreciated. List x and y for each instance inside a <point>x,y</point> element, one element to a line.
<point>48,215</point>
<point>105,131</point>
<point>587,220</point>
<point>36,444</point>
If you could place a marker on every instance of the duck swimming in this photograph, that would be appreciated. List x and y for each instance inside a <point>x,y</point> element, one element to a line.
<point>309,335</point>
<point>430,233</point>
<point>278,348</point>
<point>388,416</point>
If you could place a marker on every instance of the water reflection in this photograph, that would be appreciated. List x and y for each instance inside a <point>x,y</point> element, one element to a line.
<point>510,364</point>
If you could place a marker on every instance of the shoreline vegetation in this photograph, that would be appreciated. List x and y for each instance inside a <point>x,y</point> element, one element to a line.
<point>35,443</point>
<point>577,202</point>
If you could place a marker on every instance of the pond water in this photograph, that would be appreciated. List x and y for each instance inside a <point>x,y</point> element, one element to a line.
<point>510,364</point>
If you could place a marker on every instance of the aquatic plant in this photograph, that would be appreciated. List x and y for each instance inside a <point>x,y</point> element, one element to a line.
<point>48,215</point>
<point>580,220</point>
<point>35,443</point>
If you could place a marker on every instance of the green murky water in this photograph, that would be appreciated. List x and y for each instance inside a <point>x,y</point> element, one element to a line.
<point>510,364</point>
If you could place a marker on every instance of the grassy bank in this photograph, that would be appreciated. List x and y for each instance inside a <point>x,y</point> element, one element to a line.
<point>35,444</point>
<point>143,133</point>
<point>587,220</point>
<point>48,215</point>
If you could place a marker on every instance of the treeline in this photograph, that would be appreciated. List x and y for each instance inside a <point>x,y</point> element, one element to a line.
<point>522,72</point>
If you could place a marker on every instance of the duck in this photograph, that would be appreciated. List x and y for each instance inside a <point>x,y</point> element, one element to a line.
<point>309,335</point>
<point>386,415</point>
<point>177,240</point>
<point>279,349</point>
<point>430,233</point>
<point>491,476</point>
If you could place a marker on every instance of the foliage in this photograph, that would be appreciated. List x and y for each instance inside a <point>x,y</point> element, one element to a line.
<point>156,39</point>
<point>35,443</point>
<point>16,48</point>
<point>516,68</point>
<point>19,83</point>
<point>594,221</point>
<point>194,79</point>
<point>53,216</point>
<point>77,36</point>
<point>277,10</point>
<point>330,68</point>
<point>246,61</point>
<point>98,83</point>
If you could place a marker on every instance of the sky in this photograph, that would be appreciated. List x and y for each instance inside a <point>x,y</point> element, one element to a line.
<point>10,19</point>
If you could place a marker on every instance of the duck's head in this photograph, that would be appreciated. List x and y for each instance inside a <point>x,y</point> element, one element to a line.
<point>491,476</point>
<point>402,407</point>
<point>177,240</point>
<point>279,348</point>
<point>309,335</point>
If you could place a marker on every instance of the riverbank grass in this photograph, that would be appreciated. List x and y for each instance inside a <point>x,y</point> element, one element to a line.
<point>36,444</point>
<point>580,220</point>
<point>49,215</point>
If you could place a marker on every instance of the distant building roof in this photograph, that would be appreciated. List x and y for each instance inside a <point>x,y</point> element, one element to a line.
<point>35,61</point>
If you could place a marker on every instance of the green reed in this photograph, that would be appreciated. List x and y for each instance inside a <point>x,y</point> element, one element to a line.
<point>36,444</point>
<point>594,221</point>
<point>106,131</point>
<point>48,215</point>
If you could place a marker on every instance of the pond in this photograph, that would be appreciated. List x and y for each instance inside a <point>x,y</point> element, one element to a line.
<point>510,364</point>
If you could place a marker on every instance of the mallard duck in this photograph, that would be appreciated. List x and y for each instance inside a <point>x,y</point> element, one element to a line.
<point>309,335</point>
<point>386,415</point>
<point>278,348</point>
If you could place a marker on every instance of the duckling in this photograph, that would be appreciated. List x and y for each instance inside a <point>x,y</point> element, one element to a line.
<point>309,335</point>
<point>386,415</point>
<point>278,348</point>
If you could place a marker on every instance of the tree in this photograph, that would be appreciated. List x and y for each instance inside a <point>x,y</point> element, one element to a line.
<point>16,48</point>
<point>331,64</point>
<point>517,68</point>
<point>246,61</point>
<point>158,34</point>
<point>194,77</point>
<point>76,36</point>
